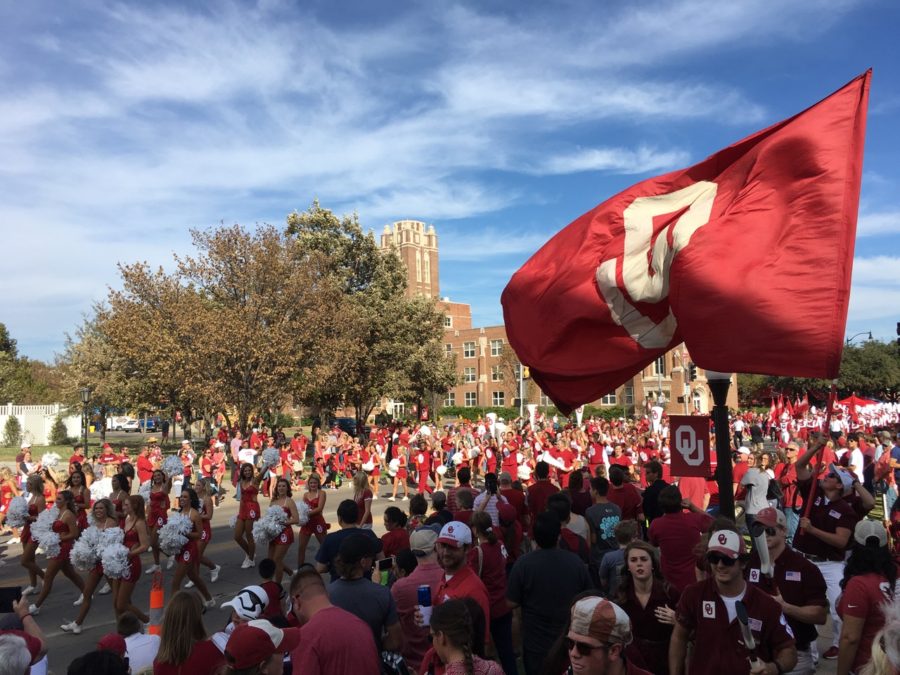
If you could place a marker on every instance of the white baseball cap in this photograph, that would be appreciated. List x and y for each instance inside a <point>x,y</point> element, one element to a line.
<point>455,534</point>
<point>726,542</point>
<point>249,603</point>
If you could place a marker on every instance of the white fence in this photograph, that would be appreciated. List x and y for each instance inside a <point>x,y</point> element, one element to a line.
<point>37,421</point>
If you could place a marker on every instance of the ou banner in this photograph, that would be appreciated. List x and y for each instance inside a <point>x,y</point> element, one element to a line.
<point>690,446</point>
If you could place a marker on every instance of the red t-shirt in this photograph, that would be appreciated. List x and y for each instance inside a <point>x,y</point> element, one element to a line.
<point>33,644</point>
<point>395,541</point>
<point>493,574</point>
<point>676,535</point>
<point>628,499</point>
<point>466,584</point>
<point>144,468</point>
<point>204,659</point>
<point>862,598</point>
<point>740,468</point>
<point>537,496</point>
<point>693,488</point>
<point>517,499</point>
<point>334,642</point>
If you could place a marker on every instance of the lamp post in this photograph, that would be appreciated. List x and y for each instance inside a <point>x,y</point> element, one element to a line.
<point>85,399</point>
<point>865,332</point>
<point>718,385</point>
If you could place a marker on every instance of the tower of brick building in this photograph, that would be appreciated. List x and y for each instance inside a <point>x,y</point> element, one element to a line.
<point>417,245</point>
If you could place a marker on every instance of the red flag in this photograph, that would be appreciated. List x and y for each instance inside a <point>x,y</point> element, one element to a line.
<point>789,409</point>
<point>780,409</point>
<point>804,405</point>
<point>759,235</point>
<point>773,412</point>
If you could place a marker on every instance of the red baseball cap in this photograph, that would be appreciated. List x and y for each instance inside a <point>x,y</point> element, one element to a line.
<point>112,642</point>
<point>254,642</point>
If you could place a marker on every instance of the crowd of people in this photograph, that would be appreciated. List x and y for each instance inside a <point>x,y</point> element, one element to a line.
<point>569,546</point>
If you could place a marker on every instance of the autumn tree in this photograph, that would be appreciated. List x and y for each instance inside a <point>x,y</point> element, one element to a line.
<point>24,380</point>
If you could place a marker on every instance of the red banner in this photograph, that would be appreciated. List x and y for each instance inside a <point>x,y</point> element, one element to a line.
<point>759,235</point>
<point>689,443</point>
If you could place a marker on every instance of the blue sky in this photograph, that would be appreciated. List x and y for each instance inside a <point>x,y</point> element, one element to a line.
<point>122,125</point>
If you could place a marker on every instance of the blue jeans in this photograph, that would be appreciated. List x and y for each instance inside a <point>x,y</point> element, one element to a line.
<point>793,522</point>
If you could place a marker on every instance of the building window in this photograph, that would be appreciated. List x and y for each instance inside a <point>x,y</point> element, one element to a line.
<point>427,269</point>
<point>471,399</point>
<point>496,347</point>
<point>498,398</point>
<point>659,366</point>
<point>448,321</point>
<point>609,399</point>
<point>545,401</point>
<point>398,409</point>
<point>469,350</point>
<point>628,394</point>
<point>418,266</point>
<point>468,374</point>
<point>448,348</point>
<point>450,400</point>
<point>496,374</point>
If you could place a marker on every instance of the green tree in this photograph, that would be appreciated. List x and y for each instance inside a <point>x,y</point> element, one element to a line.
<point>59,434</point>
<point>12,432</point>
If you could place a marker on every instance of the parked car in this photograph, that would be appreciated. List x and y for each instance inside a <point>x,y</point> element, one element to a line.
<point>130,425</point>
<point>150,425</point>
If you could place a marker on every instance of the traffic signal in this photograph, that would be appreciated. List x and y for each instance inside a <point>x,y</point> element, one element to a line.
<point>692,372</point>
<point>526,372</point>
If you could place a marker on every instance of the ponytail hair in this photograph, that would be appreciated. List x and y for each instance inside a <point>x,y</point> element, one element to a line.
<point>453,620</point>
<point>481,522</point>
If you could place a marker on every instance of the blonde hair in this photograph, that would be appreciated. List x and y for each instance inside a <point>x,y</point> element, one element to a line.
<point>360,481</point>
<point>182,626</point>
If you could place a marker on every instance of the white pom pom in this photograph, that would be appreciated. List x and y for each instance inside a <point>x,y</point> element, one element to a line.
<point>232,522</point>
<point>302,512</point>
<point>172,466</point>
<point>271,457</point>
<point>17,513</point>
<point>85,552</point>
<point>49,460</point>
<point>173,535</point>
<point>42,531</point>
<point>270,525</point>
<point>111,536</point>
<point>144,491</point>
<point>115,560</point>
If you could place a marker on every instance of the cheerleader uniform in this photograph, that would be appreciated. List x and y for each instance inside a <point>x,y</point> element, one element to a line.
<point>188,553</point>
<point>286,538</point>
<point>26,531</point>
<point>133,572</point>
<point>159,509</point>
<point>249,509</point>
<point>402,473</point>
<point>6,495</point>
<point>117,506</point>
<point>81,515</point>
<point>65,547</point>
<point>206,534</point>
<point>316,524</point>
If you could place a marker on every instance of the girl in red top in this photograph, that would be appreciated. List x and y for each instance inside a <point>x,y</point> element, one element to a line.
<point>8,490</point>
<point>160,486</point>
<point>278,547</point>
<point>422,458</point>
<point>36,504</point>
<point>248,513</point>
<point>77,484</point>
<point>137,540</point>
<point>188,558</point>
<point>66,526</point>
<point>50,487</point>
<point>402,462</point>
<point>103,519</point>
<point>119,495</point>
<point>437,467</point>
<point>396,538</point>
<point>204,493</point>
<point>316,525</point>
<point>362,495</point>
<point>184,647</point>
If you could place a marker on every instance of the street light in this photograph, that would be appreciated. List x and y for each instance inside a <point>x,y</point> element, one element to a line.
<point>718,385</point>
<point>865,332</point>
<point>85,399</point>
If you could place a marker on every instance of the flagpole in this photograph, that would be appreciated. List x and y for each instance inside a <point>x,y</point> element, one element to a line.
<point>832,397</point>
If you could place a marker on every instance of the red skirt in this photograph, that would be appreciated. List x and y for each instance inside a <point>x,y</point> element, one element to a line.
<point>133,573</point>
<point>286,538</point>
<point>248,511</point>
<point>189,555</point>
<point>315,526</point>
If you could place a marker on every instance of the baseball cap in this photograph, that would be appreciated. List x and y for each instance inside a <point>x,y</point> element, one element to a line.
<point>743,450</point>
<point>249,603</point>
<point>455,534</point>
<point>602,620</point>
<point>356,547</point>
<point>506,513</point>
<point>844,476</point>
<point>112,642</point>
<point>504,476</point>
<point>866,529</point>
<point>252,643</point>
<point>422,541</point>
<point>25,445</point>
<point>771,518</point>
<point>727,543</point>
<point>185,442</point>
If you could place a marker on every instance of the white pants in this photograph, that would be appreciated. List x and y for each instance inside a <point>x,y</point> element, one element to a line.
<point>805,665</point>
<point>833,572</point>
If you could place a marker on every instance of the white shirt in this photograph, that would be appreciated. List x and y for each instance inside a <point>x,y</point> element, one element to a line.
<point>141,650</point>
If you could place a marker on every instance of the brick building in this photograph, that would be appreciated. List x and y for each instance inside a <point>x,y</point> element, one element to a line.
<point>487,368</point>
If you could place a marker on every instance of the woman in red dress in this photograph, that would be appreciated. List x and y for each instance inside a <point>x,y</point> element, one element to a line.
<point>316,525</point>
<point>66,526</point>
<point>36,505</point>
<point>207,508</point>
<point>160,486</point>
<point>103,519</point>
<point>137,540</point>
<point>248,513</point>
<point>51,487</point>
<point>188,558</point>
<point>8,490</point>
<point>78,486</point>
<point>121,487</point>
<point>402,463</point>
<point>278,547</point>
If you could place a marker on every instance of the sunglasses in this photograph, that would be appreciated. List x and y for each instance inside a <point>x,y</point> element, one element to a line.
<point>583,648</point>
<point>715,558</point>
<point>771,531</point>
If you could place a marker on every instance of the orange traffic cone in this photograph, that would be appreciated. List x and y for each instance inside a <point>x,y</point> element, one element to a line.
<point>157,601</point>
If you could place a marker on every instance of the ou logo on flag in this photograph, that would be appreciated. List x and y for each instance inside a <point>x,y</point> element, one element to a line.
<point>690,445</point>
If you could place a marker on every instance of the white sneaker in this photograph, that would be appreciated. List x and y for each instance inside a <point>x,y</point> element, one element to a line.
<point>152,569</point>
<point>106,589</point>
<point>189,584</point>
<point>72,627</point>
<point>210,604</point>
<point>214,574</point>
<point>247,564</point>
<point>28,590</point>
<point>405,496</point>
<point>34,609</point>
<point>14,540</point>
<point>78,602</point>
<point>374,497</point>
<point>392,499</point>
<point>170,564</point>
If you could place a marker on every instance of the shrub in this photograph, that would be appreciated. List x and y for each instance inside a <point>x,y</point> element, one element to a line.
<point>12,432</point>
<point>59,434</point>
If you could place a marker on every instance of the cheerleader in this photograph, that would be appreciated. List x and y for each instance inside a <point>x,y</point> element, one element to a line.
<point>204,493</point>
<point>372,457</point>
<point>402,462</point>
<point>78,486</point>
<point>437,467</point>
<point>36,504</point>
<point>160,486</point>
<point>51,486</point>
<point>121,489</point>
<point>8,490</point>
<point>278,547</point>
<point>248,513</point>
<point>316,525</point>
<point>103,519</point>
<point>137,541</point>
<point>66,526</point>
<point>188,558</point>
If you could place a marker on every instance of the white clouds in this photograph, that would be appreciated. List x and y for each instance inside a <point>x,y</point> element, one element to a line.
<point>618,160</point>
<point>878,224</point>
<point>875,295</point>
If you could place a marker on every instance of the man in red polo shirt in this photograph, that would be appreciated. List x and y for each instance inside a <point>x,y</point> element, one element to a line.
<point>541,490</point>
<point>707,610</point>
<point>144,465</point>
<point>453,544</point>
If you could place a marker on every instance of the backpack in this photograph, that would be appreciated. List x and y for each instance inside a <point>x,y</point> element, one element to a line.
<point>774,490</point>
